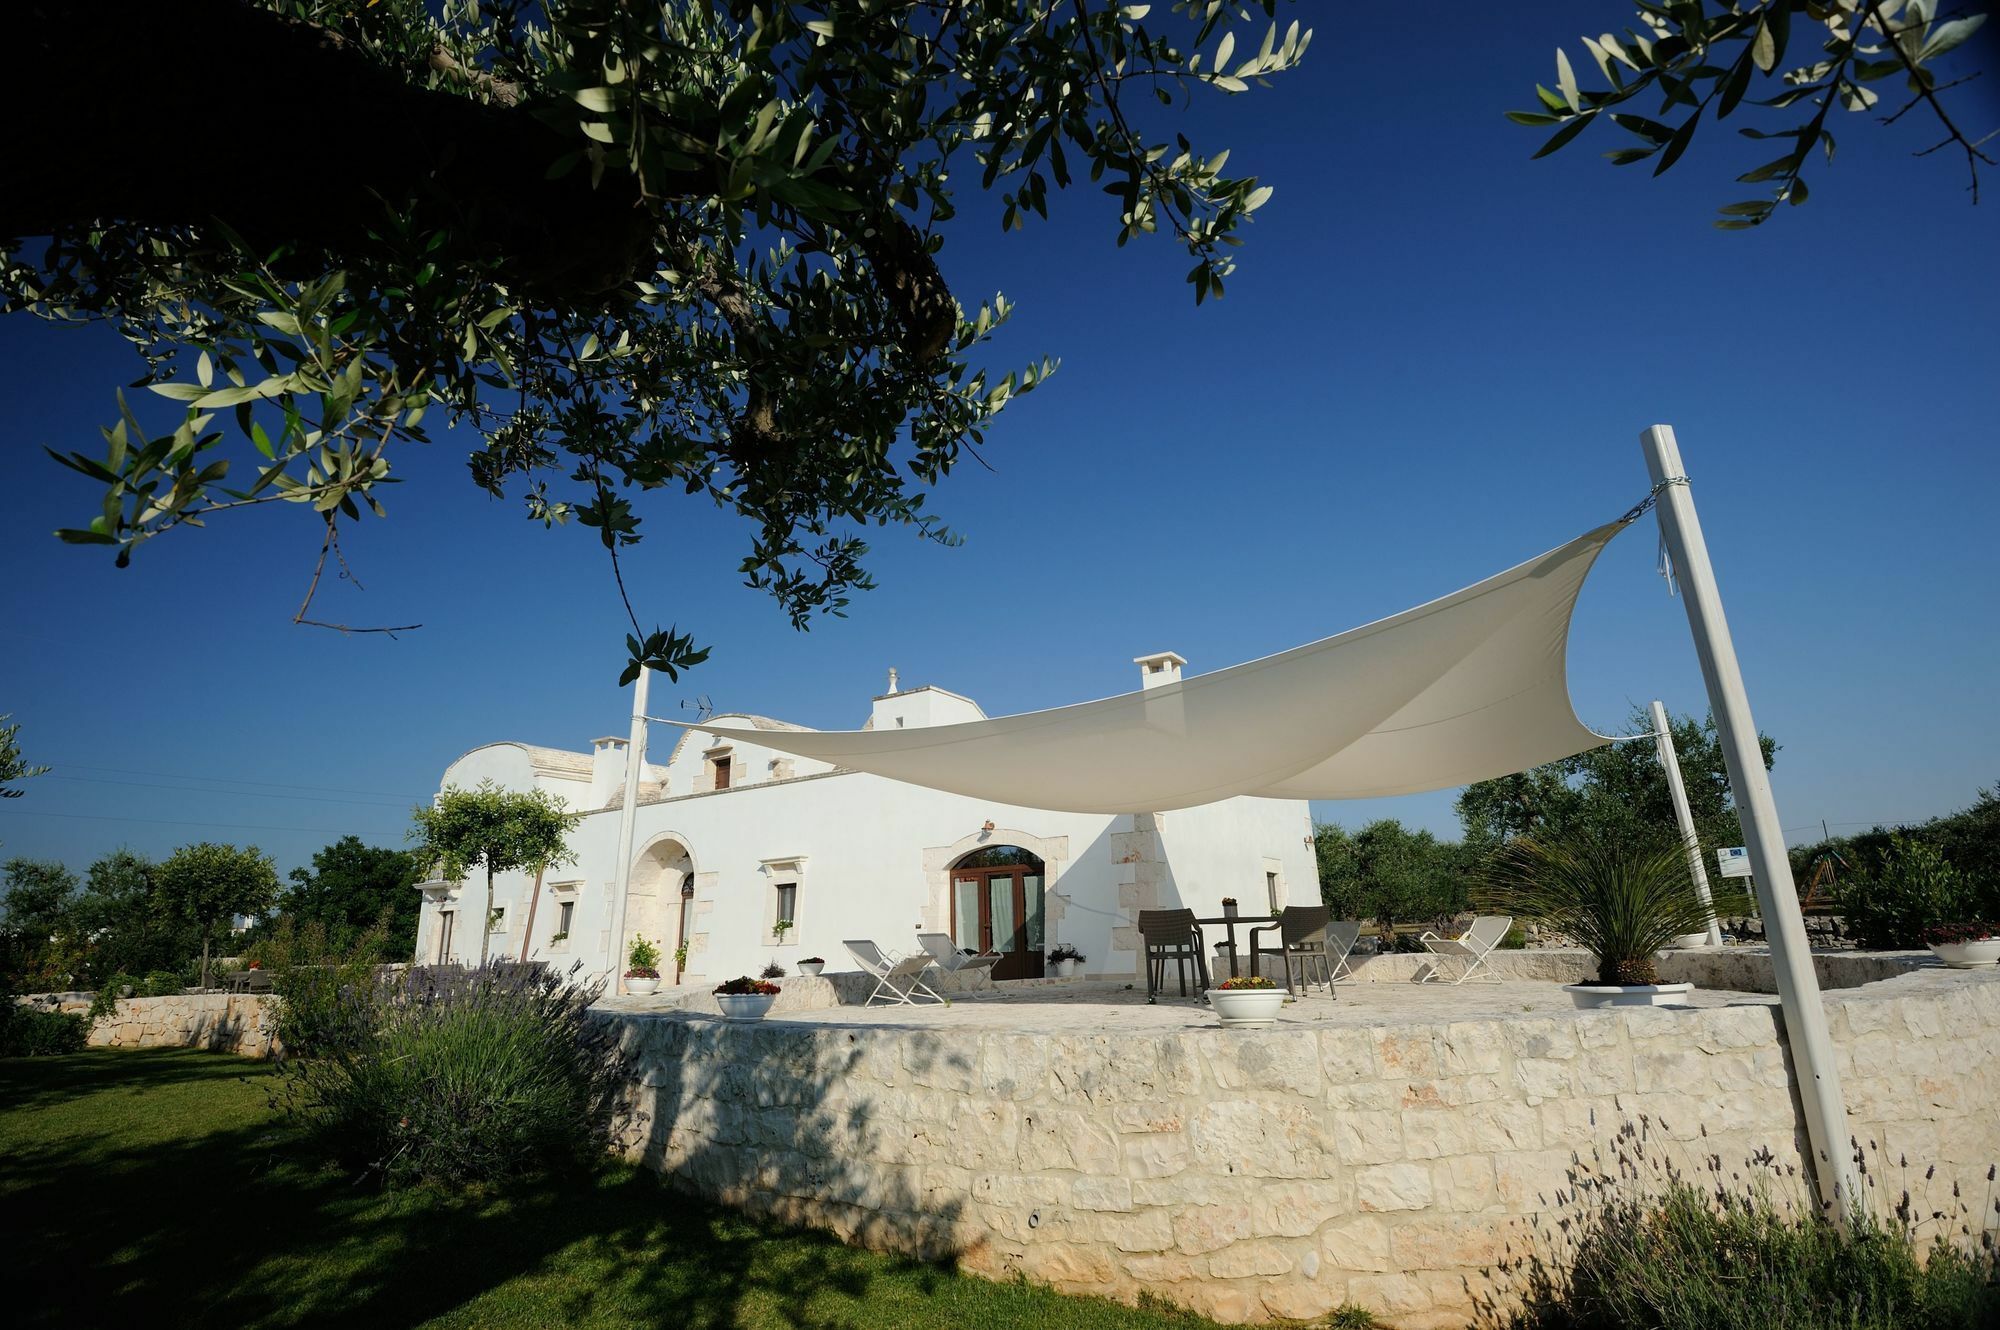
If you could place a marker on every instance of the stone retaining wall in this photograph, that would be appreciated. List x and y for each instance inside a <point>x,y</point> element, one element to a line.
<point>1279,1173</point>
<point>219,1022</point>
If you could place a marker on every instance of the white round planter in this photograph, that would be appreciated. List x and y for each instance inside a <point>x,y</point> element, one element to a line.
<point>1063,969</point>
<point>1626,995</point>
<point>745,1006</point>
<point>642,987</point>
<point>1246,1006</point>
<point>811,967</point>
<point>1687,941</point>
<point>1968,955</point>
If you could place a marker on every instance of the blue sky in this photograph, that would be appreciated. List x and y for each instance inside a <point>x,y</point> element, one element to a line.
<point>1434,361</point>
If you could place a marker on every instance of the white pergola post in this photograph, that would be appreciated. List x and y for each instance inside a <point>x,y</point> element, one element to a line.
<point>635,755</point>
<point>1663,735</point>
<point>1815,1071</point>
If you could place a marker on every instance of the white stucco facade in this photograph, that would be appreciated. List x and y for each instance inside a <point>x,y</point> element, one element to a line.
<point>864,857</point>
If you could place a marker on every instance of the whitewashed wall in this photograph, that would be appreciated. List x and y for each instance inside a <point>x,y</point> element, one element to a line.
<point>874,857</point>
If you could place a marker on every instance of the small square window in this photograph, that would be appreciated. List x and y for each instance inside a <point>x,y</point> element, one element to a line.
<point>496,920</point>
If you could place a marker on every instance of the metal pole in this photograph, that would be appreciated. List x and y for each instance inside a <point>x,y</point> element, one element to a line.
<point>635,753</point>
<point>1815,1070</point>
<point>1664,737</point>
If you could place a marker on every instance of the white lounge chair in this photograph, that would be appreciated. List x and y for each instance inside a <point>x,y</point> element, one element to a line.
<point>950,959</point>
<point>1341,935</point>
<point>1471,947</point>
<point>898,979</point>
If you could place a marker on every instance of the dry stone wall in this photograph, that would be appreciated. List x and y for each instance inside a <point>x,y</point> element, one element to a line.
<point>218,1022</point>
<point>1277,1173</point>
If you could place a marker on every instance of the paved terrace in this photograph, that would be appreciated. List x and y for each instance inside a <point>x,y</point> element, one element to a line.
<point>1111,1008</point>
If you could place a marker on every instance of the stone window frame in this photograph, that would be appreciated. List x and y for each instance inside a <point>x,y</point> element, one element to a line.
<point>783,871</point>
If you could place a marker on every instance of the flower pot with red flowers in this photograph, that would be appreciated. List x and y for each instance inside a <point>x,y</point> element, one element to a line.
<point>1967,946</point>
<point>1249,1000</point>
<point>643,976</point>
<point>744,998</point>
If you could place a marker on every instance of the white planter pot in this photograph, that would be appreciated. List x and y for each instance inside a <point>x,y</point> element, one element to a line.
<point>1688,940</point>
<point>1246,1006</point>
<point>1626,995</point>
<point>745,1006</point>
<point>1968,955</point>
<point>1064,969</point>
<point>811,967</point>
<point>642,987</point>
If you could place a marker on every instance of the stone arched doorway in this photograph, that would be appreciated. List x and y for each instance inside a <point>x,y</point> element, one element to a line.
<point>655,908</point>
<point>996,903</point>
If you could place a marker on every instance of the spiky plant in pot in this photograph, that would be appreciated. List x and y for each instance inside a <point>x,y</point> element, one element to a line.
<point>1622,900</point>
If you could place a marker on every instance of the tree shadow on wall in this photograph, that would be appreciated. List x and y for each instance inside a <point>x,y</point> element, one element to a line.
<point>127,1214</point>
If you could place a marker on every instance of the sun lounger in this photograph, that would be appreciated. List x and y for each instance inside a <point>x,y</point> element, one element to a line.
<point>1471,947</point>
<point>898,980</point>
<point>951,960</point>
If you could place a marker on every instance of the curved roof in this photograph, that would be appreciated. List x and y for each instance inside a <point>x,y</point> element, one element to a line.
<point>756,722</point>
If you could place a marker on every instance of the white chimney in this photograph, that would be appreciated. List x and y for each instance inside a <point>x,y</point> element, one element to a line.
<point>1159,669</point>
<point>892,678</point>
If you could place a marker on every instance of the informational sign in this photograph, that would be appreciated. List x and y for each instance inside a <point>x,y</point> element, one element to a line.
<point>1733,861</point>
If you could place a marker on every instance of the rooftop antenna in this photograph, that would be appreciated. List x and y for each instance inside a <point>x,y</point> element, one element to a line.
<point>701,707</point>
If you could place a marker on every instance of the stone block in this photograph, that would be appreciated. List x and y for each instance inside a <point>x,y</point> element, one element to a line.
<point>1374,1137</point>
<point>1406,1054</point>
<point>1093,1193</point>
<point>1347,1056</point>
<point>1470,1047</point>
<point>1293,1209</point>
<point>1207,1228</point>
<point>1463,1184</point>
<point>1392,1187</point>
<point>1260,1138</point>
<point>1357,1243</point>
<point>1394,1296</point>
<point>1263,1060</point>
<point>1250,1259</point>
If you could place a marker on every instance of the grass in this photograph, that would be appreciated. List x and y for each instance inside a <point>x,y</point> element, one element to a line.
<point>151,1187</point>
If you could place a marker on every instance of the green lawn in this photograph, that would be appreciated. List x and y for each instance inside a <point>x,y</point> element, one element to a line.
<point>147,1188</point>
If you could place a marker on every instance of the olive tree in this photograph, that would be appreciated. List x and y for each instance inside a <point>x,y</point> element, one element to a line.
<point>1694,57</point>
<point>500,829</point>
<point>633,245</point>
<point>13,767</point>
<point>209,883</point>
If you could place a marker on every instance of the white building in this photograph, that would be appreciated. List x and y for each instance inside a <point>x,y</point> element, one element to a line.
<point>731,838</point>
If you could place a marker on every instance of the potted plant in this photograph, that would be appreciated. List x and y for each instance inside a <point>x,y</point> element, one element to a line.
<point>1965,946</point>
<point>812,965</point>
<point>1229,906</point>
<point>643,976</point>
<point>773,971</point>
<point>744,998</point>
<point>680,960</point>
<point>1621,900</point>
<point>1250,1000</point>
<point>1064,960</point>
<point>779,929</point>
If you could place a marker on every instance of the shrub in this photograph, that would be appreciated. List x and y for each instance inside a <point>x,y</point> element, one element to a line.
<point>1065,951</point>
<point>1516,939</point>
<point>460,1077</point>
<point>773,971</point>
<point>27,1032</point>
<point>1913,888</point>
<point>1674,1254</point>
<point>312,978</point>
<point>745,986</point>
<point>162,983</point>
<point>1248,981</point>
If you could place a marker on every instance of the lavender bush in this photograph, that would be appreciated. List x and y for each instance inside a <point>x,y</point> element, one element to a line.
<point>459,1077</point>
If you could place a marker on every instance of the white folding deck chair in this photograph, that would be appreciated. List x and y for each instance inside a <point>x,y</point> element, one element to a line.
<point>951,960</point>
<point>1341,935</point>
<point>897,979</point>
<point>1472,947</point>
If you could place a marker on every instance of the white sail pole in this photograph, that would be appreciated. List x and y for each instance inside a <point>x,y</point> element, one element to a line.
<point>1663,735</point>
<point>635,755</point>
<point>1816,1072</point>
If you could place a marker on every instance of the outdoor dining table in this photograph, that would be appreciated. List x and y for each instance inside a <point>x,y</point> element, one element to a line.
<point>1229,922</point>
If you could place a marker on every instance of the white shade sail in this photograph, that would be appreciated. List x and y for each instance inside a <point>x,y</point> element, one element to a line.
<point>1464,688</point>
